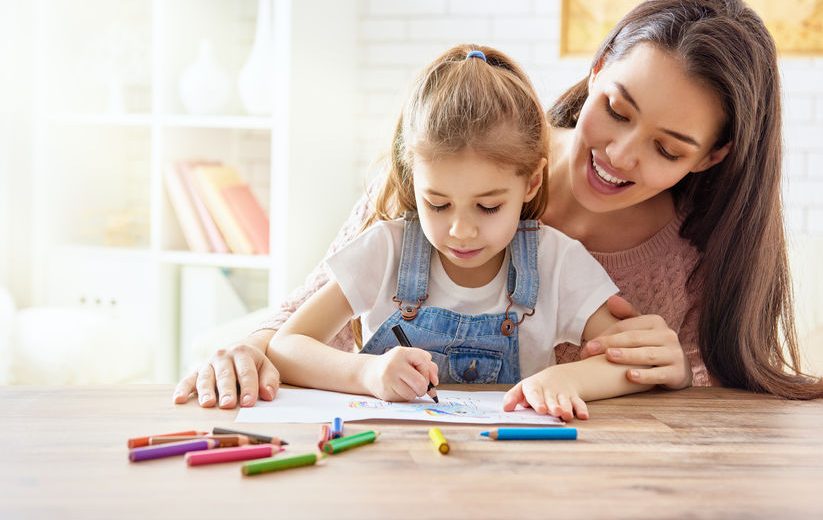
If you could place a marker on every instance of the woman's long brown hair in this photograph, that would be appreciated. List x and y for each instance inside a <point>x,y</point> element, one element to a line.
<point>734,212</point>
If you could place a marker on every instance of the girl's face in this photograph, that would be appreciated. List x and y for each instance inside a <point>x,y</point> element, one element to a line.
<point>644,126</point>
<point>469,209</point>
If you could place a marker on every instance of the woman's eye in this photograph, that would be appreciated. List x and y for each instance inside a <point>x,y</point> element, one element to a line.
<point>614,114</point>
<point>439,208</point>
<point>666,155</point>
<point>489,210</point>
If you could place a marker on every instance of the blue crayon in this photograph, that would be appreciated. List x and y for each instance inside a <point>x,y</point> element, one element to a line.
<point>337,428</point>
<point>531,434</point>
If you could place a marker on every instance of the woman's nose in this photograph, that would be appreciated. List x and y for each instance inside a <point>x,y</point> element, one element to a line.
<point>622,152</point>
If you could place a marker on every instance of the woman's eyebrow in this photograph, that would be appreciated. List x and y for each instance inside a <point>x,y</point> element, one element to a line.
<point>677,135</point>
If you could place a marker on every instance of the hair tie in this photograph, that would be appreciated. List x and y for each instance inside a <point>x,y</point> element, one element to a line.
<point>476,54</point>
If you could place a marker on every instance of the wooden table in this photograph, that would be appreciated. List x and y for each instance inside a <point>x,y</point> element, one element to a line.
<point>710,453</point>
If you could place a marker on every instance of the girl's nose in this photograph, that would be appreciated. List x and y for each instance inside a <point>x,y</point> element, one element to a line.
<point>463,228</point>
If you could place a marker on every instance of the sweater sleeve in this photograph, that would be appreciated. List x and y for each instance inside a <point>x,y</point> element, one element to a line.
<point>318,277</point>
<point>689,341</point>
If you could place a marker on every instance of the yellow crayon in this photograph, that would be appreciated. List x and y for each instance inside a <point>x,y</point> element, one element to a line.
<point>438,440</point>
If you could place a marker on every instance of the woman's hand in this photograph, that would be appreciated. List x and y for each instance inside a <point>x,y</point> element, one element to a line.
<point>642,340</point>
<point>401,374</point>
<point>242,367</point>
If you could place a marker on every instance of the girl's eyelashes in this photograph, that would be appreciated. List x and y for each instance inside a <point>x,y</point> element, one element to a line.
<point>662,151</point>
<point>490,211</point>
<point>439,208</point>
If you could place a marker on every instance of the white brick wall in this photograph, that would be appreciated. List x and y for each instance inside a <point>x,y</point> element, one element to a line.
<point>398,37</point>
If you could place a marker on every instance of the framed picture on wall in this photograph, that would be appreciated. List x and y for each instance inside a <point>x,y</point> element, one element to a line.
<point>797,25</point>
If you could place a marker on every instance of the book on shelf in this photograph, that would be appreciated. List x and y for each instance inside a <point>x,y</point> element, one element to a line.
<point>182,203</point>
<point>234,208</point>
<point>187,173</point>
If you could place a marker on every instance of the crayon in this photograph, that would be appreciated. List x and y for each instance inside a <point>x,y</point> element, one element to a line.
<point>404,341</point>
<point>325,436</point>
<point>526,434</point>
<point>223,441</point>
<point>256,451</point>
<point>254,438</point>
<point>439,441</point>
<point>337,428</point>
<point>170,450</point>
<point>278,463</point>
<point>137,442</point>
<point>349,442</point>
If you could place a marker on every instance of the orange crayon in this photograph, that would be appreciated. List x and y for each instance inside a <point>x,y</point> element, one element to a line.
<point>325,436</point>
<point>138,442</point>
<point>223,441</point>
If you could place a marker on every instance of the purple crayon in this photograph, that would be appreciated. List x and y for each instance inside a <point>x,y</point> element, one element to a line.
<point>159,451</point>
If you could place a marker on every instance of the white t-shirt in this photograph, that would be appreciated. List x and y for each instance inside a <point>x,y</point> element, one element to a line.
<point>572,286</point>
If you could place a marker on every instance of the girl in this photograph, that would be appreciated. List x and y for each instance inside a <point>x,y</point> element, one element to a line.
<point>690,229</point>
<point>482,290</point>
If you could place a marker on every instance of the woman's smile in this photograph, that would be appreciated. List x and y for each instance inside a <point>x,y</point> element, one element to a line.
<point>602,181</point>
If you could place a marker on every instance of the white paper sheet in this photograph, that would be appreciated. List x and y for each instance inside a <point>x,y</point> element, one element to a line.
<point>320,406</point>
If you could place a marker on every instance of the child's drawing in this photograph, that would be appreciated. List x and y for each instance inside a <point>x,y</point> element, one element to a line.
<point>459,406</point>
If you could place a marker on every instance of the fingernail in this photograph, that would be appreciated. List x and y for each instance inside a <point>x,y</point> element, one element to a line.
<point>615,352</point>
<point>225,400</point>
<point>204,398</point>
<point>634,373</point>
<point>270,390</point>
<point>246,400</point>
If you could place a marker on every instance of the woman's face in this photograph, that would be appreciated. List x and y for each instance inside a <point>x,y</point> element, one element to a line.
<point>644,126</point>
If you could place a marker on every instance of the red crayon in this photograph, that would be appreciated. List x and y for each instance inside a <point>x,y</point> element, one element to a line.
<point>255,451</point>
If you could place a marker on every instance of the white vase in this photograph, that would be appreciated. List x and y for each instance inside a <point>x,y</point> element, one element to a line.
<point>204,85</point>
<point>256,81</point>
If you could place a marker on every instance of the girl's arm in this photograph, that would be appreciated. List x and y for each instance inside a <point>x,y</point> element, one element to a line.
<point>301,353</point>
<point>562,390</point>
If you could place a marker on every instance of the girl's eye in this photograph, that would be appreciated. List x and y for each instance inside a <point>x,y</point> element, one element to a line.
<point>489,210</point>
<point>614,114</point>
<point>666,155</point>
<point>437,209</point>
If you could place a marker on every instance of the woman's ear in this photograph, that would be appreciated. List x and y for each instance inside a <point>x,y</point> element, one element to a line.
<point>712,158</point>
<point>535,180</point>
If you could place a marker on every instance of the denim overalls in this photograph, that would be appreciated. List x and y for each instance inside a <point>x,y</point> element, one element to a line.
<point>466,348</point>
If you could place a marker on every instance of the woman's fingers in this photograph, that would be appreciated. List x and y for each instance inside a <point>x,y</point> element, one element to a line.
<point>245,366</point>
<point>269,380</point>
<point>671,376</point>
<point>205,386</point>
<point>620,308</point>
<point>645,322</point>
<point>223,366</point>
<point>185,388</point>
<point>653,356</point>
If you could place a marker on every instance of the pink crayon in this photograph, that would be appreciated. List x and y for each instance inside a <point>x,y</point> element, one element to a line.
<point>256,451</point>
<point>170,450</point>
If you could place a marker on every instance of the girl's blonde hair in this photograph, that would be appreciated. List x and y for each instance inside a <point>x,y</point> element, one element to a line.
<point>459,103</point>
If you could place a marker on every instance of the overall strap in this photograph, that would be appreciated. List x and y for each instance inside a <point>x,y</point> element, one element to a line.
<point>524,278</point>
<point>413,273</point>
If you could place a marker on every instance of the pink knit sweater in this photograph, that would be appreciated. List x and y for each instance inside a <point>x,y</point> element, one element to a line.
<point>652,276</point>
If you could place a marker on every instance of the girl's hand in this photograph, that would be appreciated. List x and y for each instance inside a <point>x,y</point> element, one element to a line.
<point>552,390</point>
<point>642,340</point>
<point>401,374</point>
<point>242,367</point>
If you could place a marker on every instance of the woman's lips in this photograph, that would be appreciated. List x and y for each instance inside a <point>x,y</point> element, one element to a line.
<point>600,185</point>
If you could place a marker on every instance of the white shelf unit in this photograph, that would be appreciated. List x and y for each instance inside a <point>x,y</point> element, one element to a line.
<point>99,197</point>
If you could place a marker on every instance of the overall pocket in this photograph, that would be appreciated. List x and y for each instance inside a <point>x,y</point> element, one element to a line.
<point>471,365</point>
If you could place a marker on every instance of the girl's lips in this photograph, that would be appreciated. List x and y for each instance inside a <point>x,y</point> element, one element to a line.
<point>465,253</point>
<point>598,184</point>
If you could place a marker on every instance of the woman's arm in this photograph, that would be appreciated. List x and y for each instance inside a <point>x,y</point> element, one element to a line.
<point>242,365</point>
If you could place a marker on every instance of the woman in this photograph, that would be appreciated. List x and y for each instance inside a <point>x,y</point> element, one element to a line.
<point>666,165</point>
